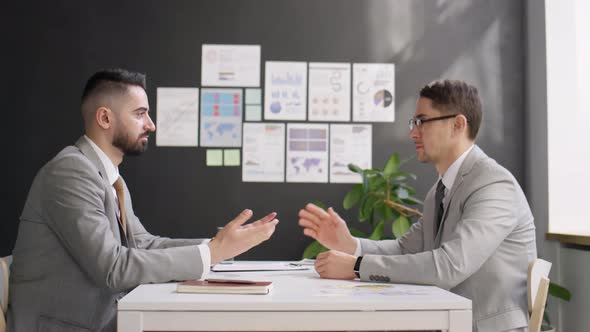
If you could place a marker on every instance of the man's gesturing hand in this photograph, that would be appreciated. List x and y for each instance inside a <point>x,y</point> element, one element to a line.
<point>236,238</point>
<point>327,228</point>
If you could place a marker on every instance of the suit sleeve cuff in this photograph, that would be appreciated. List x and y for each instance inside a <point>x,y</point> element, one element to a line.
<point>205,258</point>
<point>358,250</point>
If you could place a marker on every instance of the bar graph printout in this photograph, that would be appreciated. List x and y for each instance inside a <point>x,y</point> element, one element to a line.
<point>263,152</point>
<point>221,117</point>
<point>285,94</point>
<point>307,152</point>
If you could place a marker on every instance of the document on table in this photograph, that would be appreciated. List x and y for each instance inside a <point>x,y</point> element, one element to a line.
<point>272,266</point>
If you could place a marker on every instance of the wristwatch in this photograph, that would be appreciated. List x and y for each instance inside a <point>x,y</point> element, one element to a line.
<point>357,267</point>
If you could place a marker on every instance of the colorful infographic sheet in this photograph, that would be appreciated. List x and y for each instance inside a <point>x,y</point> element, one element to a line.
<point>349,143</point>
<point>285,96</point>
<point>221,117</point>
<point>373,92</point>
<point>307,152</point>
<point>263,152</point>
<point>230,65</point>
<point>177,117</point>
<point>329,91</point>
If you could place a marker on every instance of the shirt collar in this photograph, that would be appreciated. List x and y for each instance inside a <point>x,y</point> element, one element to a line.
<point>449,177</point>
<point>109,167</point>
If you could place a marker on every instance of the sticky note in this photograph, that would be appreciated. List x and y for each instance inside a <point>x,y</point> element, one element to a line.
<point>231,157</point>
<point>253,113</point>
<point>253,96</point>
<point>214,157</point>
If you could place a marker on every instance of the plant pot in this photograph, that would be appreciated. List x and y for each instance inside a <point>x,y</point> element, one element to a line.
<point>548,329</point>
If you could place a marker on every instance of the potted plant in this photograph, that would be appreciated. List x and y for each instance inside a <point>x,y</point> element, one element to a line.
<point>382,197</point>
<point>559,292</point>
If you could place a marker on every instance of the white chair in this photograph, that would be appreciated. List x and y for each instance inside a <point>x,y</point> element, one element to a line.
<point>537,288</point>
<point>4,274</point>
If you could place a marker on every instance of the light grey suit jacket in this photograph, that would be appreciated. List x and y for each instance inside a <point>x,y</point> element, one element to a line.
<point>69,267</point>
<point>481,253</point>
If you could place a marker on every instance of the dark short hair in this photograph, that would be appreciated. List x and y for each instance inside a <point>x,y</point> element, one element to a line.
<point>112,80</point>
<point>453,96</point>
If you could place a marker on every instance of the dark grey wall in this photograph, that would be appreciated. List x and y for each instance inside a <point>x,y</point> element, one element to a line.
<point>55,46</point>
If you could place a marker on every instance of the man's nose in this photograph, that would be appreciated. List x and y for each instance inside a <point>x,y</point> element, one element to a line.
<point>150,124</point>
<point>414,133</point>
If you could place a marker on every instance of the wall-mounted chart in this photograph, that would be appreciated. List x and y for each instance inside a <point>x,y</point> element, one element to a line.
<point>221,117</point>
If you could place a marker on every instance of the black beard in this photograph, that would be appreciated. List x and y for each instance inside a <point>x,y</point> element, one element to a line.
<point>129,148</point>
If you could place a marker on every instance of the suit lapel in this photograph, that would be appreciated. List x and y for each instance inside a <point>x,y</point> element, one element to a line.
<point>428,220</point>
<point>89,152</point>
<point>465,168</point>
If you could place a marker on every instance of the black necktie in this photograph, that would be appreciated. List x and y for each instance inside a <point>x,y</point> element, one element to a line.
<point>438,207</point>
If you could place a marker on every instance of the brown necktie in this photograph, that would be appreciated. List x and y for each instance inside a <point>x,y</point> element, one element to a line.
<point>121,199</point>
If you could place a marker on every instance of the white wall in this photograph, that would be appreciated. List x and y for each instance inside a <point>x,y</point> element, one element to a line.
<point>571,266</point>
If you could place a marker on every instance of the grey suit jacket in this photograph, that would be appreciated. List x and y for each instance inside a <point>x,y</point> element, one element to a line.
<point>69,267</point>
<point>482,251</point>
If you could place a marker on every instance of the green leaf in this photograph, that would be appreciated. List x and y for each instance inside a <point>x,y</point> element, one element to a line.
<point>376,183</point>
<point>353,196</point>
<point>559,292</point>
<point>400,226</point>
<point>356,233</point>
<point>321,204</point>
<point>378,231</point>
<point>387,213</point>
<point>354,168</point>
<point>391,166</point>
<point>368,206</point>
<point>313,249</point>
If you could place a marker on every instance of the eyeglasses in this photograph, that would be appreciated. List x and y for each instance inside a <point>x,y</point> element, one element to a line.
<point>418,122</point>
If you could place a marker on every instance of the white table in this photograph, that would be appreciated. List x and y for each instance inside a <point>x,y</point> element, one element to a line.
<point>299,301</point>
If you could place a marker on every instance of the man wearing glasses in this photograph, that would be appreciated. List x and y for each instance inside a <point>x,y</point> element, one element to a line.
<point>476,237</point>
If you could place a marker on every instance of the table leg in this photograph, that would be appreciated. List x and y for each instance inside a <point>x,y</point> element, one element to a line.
<point>129,321</point>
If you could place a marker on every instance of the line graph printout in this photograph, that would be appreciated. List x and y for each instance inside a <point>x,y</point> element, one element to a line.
<point>285,94</point>
<point>221,117</point>
<point>329,91</point>
<point>177,117</point>
<point>230,65</point>
<point>263,152</point>
<point>307,152</point>
<point>373,92</point>
<point>349,143</point>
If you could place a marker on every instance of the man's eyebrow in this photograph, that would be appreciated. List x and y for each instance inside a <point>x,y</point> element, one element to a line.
<point>420,116</point>
<point>140,109</point>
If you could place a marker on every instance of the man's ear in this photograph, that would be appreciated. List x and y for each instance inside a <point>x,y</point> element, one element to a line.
<point>460,123</point>
<point>104,117</point>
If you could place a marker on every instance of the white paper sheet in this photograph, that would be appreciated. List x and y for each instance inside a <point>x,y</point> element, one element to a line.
<point>349,143</point>
<point>285,96</point>
<point>373,92</point>
<point>329,91</point>
<point>177,118</point>
<point>230,65</point>
<point>221,117</point>
<point>307,152</point>
<point>263,152</point>
<point>240,267</point>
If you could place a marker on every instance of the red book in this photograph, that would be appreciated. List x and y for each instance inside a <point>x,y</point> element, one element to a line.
<point>227,286</point>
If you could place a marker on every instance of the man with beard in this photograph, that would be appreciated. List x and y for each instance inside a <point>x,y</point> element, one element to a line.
<point>476,237</point>
<point>80,247</point>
